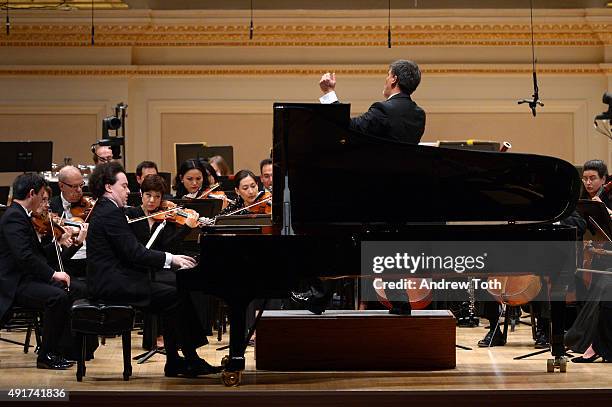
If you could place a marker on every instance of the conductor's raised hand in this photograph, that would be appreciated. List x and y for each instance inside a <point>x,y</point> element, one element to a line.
<point>328,82</point>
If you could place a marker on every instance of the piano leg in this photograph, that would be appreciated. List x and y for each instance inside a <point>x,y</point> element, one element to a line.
<point>235,363</point>
<point>558,293</point>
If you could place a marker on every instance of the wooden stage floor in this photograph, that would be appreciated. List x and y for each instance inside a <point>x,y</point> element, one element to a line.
<point>482,377</point>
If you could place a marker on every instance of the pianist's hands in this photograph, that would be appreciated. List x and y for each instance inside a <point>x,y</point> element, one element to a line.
<point>183,262</point>
<point>328,82</point>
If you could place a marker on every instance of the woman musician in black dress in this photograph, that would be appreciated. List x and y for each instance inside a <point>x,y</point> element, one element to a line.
<point>194,180</point>
<point>248,193</point>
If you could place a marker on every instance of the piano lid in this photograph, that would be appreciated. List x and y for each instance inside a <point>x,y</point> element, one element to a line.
<point>337,176</point>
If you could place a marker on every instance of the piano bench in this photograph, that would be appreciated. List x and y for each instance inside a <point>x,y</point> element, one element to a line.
<point>95,318</point>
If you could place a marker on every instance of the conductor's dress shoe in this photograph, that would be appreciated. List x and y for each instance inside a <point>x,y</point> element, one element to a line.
<point>312,301</point>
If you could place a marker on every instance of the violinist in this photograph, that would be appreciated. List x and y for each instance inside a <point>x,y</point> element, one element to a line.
<point>115,273</point>
<point>152,190</point>
<point>594,174</point>
<point>248,194</point>
<point>27,278</point>
<point>191,179</point>
<point>68,201</point>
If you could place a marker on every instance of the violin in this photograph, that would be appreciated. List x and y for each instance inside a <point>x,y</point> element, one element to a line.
<point>262,204</point>
<point>208,190</point>
<point>168,211</point>
<point>44,225</point>
<point>83,208</point>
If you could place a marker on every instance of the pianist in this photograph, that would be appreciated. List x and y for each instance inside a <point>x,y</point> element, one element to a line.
<point>114,272</point>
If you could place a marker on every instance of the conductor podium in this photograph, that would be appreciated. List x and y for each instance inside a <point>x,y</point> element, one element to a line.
<point>355,340</point>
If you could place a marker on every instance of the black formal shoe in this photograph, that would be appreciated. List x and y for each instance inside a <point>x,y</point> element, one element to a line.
<point>52,361</point>
<point>492,338</point>
<point>200,367</point>
<point>401,309</point>
<point>311,300</point>
<point>582,359</point>
<point>541,341</point>
<point>175,368</point>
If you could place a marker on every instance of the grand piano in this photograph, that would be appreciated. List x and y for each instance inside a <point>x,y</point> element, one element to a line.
<point>334,189</point>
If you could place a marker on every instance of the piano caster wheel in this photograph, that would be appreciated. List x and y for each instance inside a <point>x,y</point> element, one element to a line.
<point>231,379</point>
<point>557,363</point>
<point>224,360</point>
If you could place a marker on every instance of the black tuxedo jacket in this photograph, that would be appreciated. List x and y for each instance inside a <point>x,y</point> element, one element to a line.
<point>116,260</point>
<point>398,119</point>
<point>22,256</point>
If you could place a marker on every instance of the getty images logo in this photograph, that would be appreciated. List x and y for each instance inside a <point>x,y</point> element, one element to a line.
<point>411,264</point>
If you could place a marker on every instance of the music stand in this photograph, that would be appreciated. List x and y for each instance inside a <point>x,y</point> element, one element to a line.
<point>187,151</point>
<point>26,156</point>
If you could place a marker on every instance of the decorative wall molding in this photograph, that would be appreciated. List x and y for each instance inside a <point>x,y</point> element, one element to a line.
<point>250,70</point>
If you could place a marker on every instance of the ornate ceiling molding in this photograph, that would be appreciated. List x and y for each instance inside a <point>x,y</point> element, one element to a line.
<point>128,35</point>
<point>215,71</point>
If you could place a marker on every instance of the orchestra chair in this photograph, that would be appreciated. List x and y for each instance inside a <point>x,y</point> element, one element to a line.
<point>95,318</point>
<point>20,317</point>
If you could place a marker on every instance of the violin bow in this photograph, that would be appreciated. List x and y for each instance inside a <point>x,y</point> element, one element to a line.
<point>211,221</point>
<point>57,248</point>
<point>178,208</point>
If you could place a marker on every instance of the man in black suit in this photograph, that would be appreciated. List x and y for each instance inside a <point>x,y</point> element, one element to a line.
<point>116,272</point>
<point>71,185</point>
<point>397,118</point>
<point>26,279</point>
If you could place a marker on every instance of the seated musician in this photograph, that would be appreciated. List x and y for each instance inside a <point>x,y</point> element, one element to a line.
<point>27,278</point>
<point>191,179</point>
<point>145,168</point>
<point>220,166</point>
<point>591,333</point>
<point>71,186</point>
<point>115,273</point>
<point>152,189</point>
<point>265,171</point>
<point>594,174</point>
<point>247,191</point>
<point>540,304</point>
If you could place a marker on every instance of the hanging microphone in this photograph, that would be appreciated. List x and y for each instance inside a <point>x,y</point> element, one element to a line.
<point>535,101</point>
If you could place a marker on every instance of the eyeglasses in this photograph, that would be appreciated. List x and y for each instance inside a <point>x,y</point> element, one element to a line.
<point>81,185</point>
<point>591,179</point>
